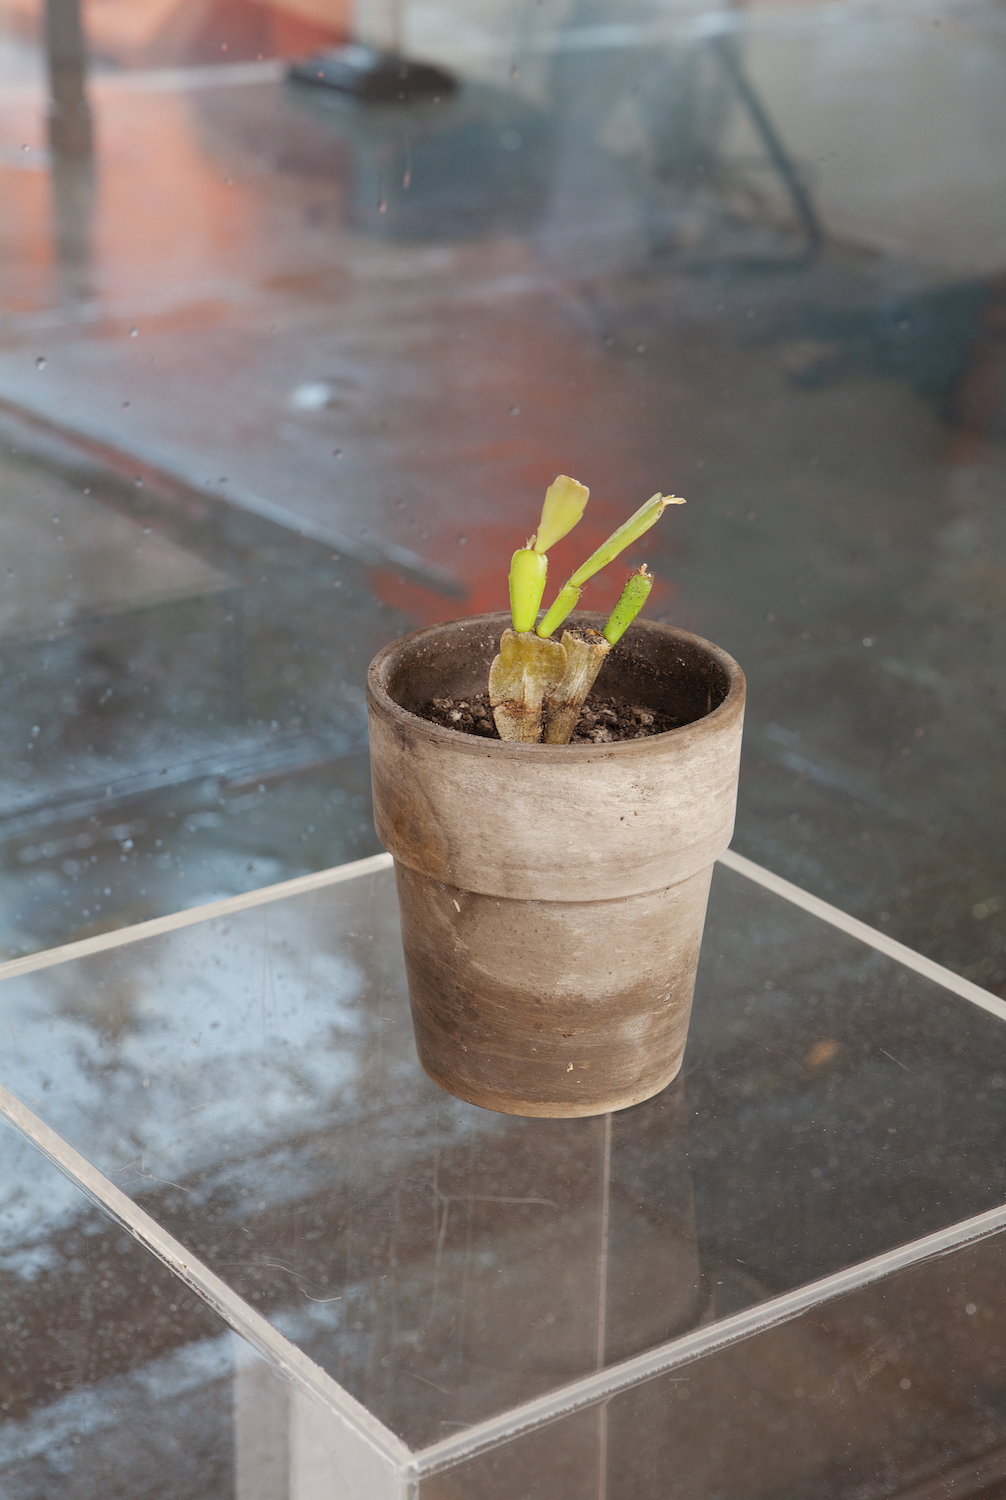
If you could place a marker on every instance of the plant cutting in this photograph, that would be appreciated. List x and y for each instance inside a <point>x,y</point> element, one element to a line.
<point>552,887</point>
<point>538,684</point>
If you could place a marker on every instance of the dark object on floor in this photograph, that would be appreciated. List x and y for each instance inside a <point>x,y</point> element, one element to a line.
<point>372,76</point>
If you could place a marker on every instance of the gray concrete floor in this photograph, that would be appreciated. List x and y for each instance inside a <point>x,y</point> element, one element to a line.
<point>264,313</point>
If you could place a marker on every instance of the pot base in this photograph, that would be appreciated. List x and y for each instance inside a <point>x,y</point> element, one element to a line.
<point>550,1008</point>
<point>557,1110</point>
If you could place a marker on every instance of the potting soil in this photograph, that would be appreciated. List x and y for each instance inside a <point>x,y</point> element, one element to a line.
<point>602,721</point>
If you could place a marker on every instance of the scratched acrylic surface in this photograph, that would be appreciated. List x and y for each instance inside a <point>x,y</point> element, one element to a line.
<point>252,1083</point>
<point>895,1389</point>
<point>115,1378</point>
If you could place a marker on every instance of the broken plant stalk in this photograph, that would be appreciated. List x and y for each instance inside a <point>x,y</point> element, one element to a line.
<point>527,667</point>
<point>526,670</point>
<point>584,657</point>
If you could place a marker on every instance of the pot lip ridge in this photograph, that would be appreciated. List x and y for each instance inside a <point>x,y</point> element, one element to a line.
<point>711,724</point>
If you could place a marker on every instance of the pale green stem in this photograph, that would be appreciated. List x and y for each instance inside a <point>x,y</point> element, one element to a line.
<point>527,584</point>
<point>564,603</point>
<point>640,521</point>
<point>627,533</point>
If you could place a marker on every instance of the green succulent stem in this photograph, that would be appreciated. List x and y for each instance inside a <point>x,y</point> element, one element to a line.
<point>565,601</point>
<point>527,584</point>
<point>640,521</point>
<point>629,531</point>
<point>634,596</point>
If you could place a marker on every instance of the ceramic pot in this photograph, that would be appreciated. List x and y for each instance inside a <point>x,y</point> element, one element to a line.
<point>552,897</point>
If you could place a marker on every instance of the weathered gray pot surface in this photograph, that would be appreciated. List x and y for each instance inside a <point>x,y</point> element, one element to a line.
<point>553,896</point>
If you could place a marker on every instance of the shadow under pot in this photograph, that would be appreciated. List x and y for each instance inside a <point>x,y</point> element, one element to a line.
<point>552,897</point>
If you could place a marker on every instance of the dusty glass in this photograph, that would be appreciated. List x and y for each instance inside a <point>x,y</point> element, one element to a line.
<point>240,1086</point>
<point>117,1378</point>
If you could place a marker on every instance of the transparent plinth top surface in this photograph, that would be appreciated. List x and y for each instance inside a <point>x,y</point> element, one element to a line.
<point>116,1379</point>
<point>251,1081</point>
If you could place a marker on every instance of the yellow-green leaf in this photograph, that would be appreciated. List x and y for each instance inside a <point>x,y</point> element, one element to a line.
<point>563,507</point>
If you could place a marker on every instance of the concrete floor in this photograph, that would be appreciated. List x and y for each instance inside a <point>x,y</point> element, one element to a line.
<point>264,314</point>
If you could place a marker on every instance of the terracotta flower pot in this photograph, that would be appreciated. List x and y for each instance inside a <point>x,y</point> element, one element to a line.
<point>553,897</point>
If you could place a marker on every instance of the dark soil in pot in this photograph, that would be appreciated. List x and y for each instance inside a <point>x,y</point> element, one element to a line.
<point>681,688</point>
<point>603,720</point>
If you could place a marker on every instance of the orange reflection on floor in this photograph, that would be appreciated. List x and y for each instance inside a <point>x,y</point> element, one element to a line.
<point>26,248</point>
<point>159,33</point>
<point>456,382</point>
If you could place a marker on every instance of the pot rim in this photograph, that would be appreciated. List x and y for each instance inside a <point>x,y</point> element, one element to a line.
<point>472,744</point>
